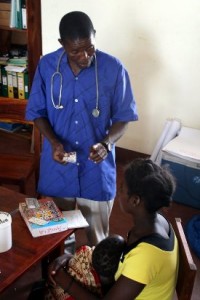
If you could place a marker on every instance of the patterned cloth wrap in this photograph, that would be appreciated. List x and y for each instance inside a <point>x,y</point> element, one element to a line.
<point>79,267</point>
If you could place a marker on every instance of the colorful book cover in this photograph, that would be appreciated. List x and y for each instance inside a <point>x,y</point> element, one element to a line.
<point>44,219</point>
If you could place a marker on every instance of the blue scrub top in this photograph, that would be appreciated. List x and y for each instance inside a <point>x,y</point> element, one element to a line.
<point>75,125</point>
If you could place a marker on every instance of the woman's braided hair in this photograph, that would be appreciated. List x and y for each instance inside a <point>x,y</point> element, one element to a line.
<point>155,185</point>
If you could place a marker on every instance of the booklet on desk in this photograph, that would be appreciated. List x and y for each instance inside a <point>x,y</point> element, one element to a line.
<point>43,217</point>
<point>75,219</point>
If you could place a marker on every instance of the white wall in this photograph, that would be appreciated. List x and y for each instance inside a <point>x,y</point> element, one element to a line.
<point>159,43</point>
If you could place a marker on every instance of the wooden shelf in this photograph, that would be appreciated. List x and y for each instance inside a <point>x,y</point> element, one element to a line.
<point>16,109</point>
<point>12,29</point>
<point>5,100</point>
<point>10,100</point>
<point>32,35</point>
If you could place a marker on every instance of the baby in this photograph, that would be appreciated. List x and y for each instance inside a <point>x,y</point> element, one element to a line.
<point>105,259</point>
<point>93,267</point>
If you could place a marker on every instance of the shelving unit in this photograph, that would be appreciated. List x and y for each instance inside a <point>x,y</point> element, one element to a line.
<point>22,167</point>
<point>31,37</point>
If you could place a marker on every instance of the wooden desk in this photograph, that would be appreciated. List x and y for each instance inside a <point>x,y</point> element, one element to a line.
<point>9,200</point>
<point>26,250</point>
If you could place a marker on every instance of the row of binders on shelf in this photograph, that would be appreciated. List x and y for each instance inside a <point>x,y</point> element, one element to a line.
<point>13,13</point>
<point>14,78</point>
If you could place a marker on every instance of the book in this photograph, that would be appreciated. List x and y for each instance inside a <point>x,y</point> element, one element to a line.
<point>75,219</point>
<point>19,14</point>
<point>14,68</point>
<point>18,61</point>
<point>15,85</point>
<point>3,60</point>
<point>13,14</point>
<point>4,82</point>
<point>26,85</point>
<point>20,83</point>
<point>10,84</point>
<point>23,85</point>
<point>43,219</point>
<point>24,14</point>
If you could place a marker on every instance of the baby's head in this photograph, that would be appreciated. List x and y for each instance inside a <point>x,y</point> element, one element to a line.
<point>106,255</point>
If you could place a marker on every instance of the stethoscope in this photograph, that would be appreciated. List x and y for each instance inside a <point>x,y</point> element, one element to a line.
<point>95,111</point>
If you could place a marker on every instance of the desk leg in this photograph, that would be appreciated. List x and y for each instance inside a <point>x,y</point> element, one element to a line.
<point>49,258</point>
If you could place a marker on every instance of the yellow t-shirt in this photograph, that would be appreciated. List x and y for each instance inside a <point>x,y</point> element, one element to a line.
<point>153,266</point>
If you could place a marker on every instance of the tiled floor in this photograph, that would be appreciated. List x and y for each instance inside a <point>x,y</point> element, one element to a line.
<point>119,223</point>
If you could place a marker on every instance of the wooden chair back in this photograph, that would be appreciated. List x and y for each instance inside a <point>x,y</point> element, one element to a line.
<point>19,166</point>
<point>187,268</point>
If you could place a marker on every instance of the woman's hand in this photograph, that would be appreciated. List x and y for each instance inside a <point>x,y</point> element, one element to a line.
<point>64,280</point>
<point>55,266</point>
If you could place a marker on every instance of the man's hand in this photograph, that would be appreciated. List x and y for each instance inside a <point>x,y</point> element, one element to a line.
<point>98,153</point>
<point>58,152</point>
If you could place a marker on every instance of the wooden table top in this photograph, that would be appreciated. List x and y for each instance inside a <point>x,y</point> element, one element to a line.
<point>26,250</point>
<point>9,199</point>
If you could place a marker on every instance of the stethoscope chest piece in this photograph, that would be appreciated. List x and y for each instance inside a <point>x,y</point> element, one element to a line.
<point>95,112</point>
<point>59,106</point>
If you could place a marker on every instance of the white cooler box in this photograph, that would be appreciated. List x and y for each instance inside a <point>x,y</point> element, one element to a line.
<point>182,154</point>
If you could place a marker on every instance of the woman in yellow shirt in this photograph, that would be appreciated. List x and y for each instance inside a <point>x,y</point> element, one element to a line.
<point>148,266</point>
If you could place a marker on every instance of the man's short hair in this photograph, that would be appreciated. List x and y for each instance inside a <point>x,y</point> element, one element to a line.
<point>74,25</point>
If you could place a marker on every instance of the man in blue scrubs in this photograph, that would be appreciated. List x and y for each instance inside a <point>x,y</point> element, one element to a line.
<point>81,100</point>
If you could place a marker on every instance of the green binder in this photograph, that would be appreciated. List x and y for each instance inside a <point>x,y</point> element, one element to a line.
<point>19,14</point>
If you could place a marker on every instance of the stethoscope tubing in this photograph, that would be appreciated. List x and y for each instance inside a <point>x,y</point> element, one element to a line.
<point>95,111</point>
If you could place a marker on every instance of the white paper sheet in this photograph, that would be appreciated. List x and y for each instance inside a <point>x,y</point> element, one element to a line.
<point>75,219</point>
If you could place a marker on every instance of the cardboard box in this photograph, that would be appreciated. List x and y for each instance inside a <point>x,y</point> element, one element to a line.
<point>5,18</point>
<point>5,6</point>
<point>182,155</point>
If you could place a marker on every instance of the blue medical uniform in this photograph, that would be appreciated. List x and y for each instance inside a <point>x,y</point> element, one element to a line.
<point>76,127</point>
